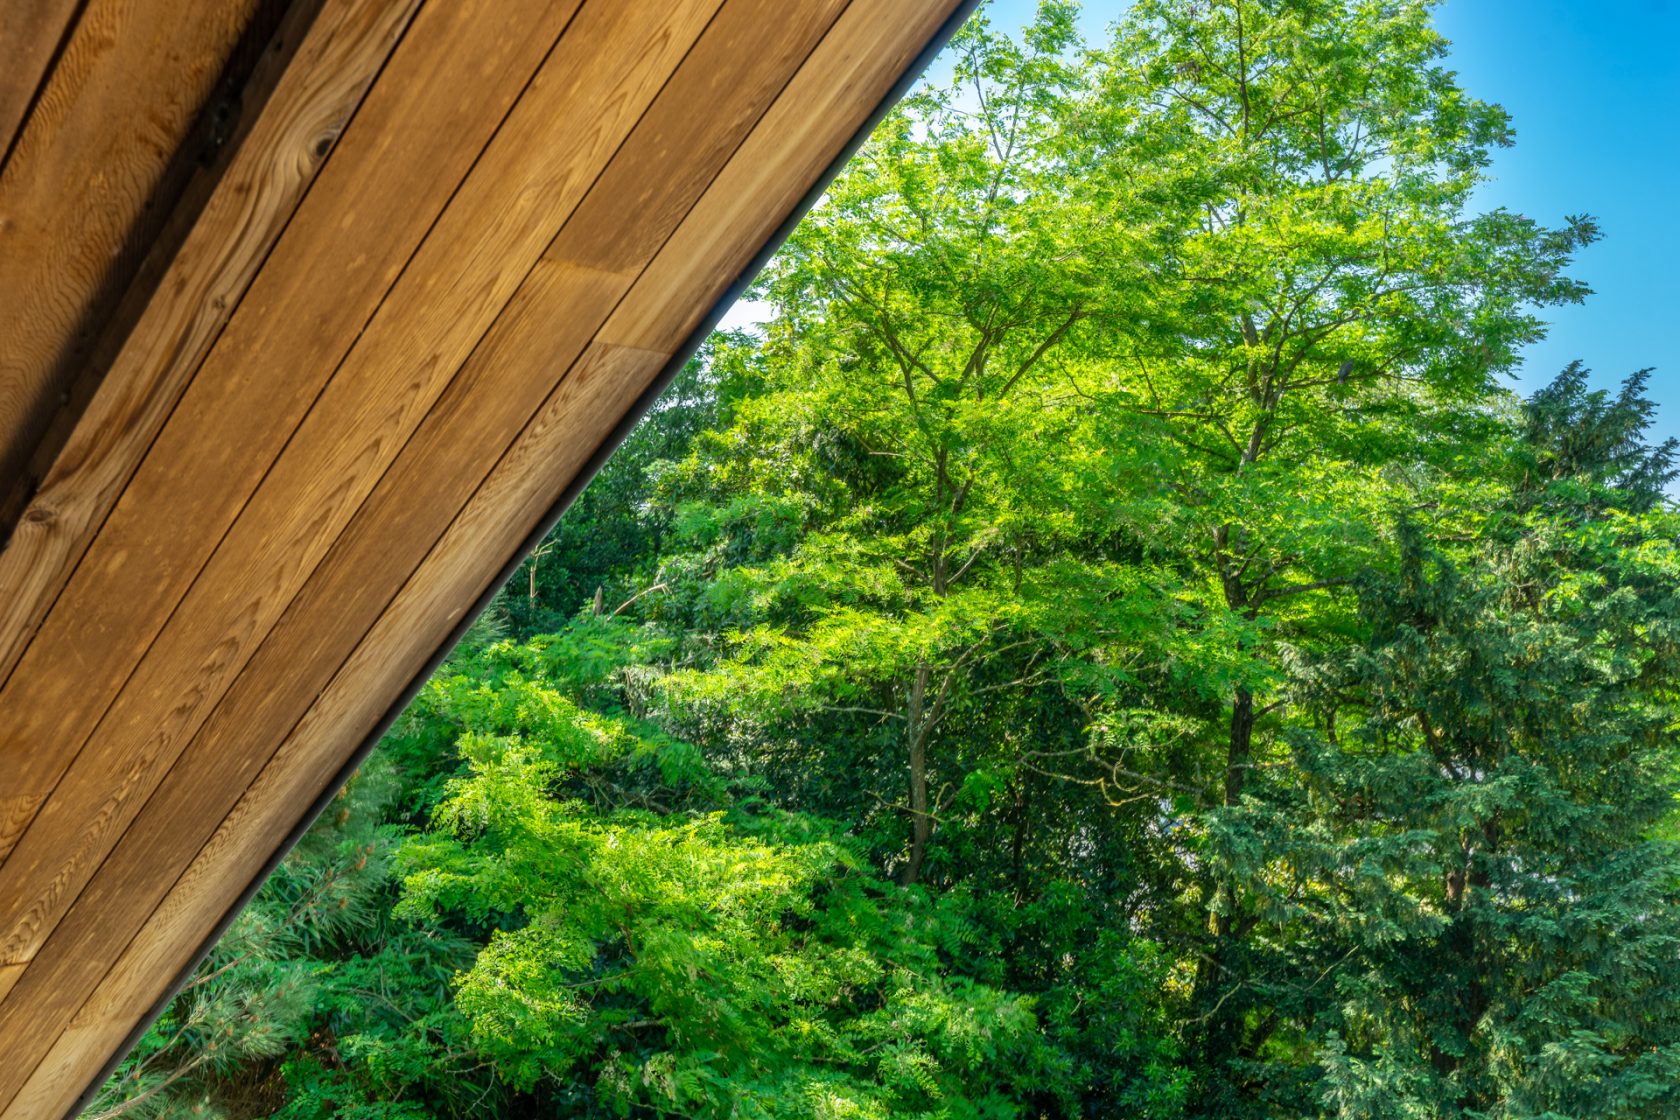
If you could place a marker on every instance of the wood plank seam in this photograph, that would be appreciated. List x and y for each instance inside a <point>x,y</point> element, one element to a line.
<point>108,151</point>
<point>72,17</point>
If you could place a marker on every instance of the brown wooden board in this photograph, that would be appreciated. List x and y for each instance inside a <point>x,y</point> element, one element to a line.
<point>197,283</point>
<point>81,183</point>
<point>267,636</point>
<point>200,284</point>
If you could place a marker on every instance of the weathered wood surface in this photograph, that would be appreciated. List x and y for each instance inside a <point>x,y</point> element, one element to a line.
<point>355,392</point>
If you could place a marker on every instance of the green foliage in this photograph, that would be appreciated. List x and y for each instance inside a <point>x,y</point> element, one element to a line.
<point>686,961</point>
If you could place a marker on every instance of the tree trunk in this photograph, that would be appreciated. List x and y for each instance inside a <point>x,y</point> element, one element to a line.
<point>921,822</point>
<point>1220,1033</point>
<point>1018,846</point>
<point>1465,969</point>
<point>1241,745</point>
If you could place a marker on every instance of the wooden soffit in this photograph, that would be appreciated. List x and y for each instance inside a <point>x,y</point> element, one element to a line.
<point>312,317</point>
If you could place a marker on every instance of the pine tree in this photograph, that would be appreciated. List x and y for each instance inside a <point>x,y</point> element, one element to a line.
<point>1468,904</point>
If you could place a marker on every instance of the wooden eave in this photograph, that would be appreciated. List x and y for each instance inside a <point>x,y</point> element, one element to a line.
<point>313,315</point>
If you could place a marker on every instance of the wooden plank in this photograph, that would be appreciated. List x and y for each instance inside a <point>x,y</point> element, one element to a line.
<point>593,88</point>
<point>205,279</point>
<point>837,88</point>
<point>397,165</point>
<point>77,192</point>
<point>690,132</point>
<point>29,37</point>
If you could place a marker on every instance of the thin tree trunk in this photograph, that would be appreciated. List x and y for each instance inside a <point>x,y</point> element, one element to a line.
<point>921,822</point>
<point>1018,847</point>
<point>1220,1031</point>
<point>1241,745</point>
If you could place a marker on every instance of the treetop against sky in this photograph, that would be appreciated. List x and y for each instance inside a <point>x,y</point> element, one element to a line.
<point>1595,91</point>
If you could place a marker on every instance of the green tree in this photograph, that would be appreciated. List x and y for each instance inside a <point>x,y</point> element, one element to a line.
<point>654,949</point>
<point>613,528</point>
<point>895,471</point>
<point>894,577</point>
<point>1316,344</point>
<point>1462,872</point>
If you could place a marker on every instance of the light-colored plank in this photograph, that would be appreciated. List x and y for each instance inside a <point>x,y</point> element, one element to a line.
<point>395,168</point>
<point>205,279</point>
<point>266,47</point>
<point>78,191</point>
<point>29,37</point>
<point>735,73</point>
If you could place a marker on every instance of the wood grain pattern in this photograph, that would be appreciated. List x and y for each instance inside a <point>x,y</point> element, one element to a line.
<point>263,636</point>
<point>258,60</point>
<point>541,161</point>
<point>736,71</point>
<point>77,192</point>
<point>29,37</point>
<point>397,165</point>
<point>253,200</point>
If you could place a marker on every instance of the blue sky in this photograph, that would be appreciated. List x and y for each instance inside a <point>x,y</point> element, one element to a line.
<point>1594,88</point>
<point>1595,92</point>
